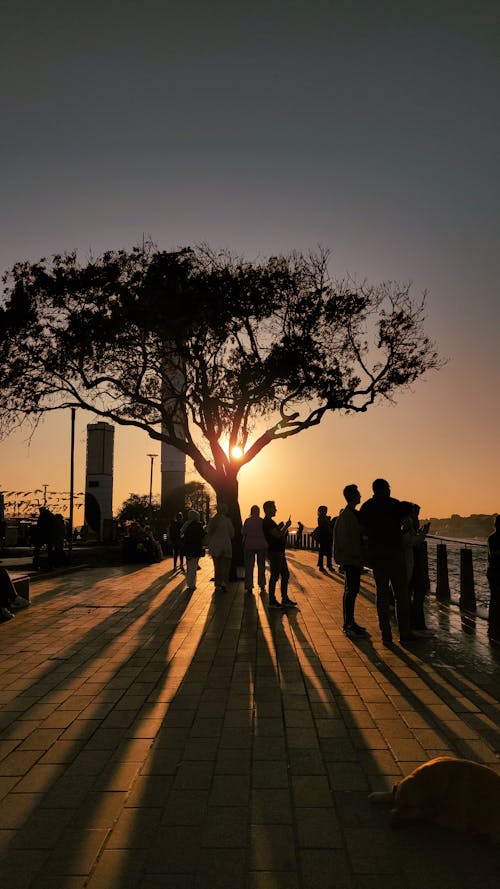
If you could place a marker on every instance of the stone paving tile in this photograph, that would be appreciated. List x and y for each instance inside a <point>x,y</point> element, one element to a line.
<point>318,828</point>
<point>222,868</point>
<point>273,880</point>
<point>40,778</point>
<point>272,848</point>
<point>116,870</point>
<point>271,807</point>
<point>76,852</point>
<point>20,867</point>
<point>176,850</point>
<point>328,868</point>
<point>134,829</point>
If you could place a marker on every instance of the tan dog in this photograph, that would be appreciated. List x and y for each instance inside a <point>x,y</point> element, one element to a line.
<point>455,793</point>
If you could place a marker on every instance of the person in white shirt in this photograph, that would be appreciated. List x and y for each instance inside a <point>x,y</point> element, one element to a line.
<point>219,540</point>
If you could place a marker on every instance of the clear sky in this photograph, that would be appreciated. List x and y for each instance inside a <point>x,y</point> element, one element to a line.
<point>369,128</point>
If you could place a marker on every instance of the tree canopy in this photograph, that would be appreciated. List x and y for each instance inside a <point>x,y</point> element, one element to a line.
<point>202,349</point>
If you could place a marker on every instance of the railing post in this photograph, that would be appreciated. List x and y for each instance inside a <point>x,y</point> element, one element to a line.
<point>424,549</point>
<point>467,592</point>
<point>442,581</point>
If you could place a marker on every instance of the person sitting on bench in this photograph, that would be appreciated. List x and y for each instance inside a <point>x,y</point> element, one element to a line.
<point>9,599</point>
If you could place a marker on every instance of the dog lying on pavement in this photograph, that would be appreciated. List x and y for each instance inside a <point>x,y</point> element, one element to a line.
<point>454,793</point>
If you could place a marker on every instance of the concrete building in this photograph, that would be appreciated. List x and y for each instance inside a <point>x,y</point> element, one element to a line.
<point>173,479</point>
<point>99,479</point>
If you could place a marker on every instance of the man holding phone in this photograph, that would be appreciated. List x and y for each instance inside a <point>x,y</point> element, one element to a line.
<point>275,535</point>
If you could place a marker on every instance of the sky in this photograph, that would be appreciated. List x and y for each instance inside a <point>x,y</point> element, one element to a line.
<point>369,128</point>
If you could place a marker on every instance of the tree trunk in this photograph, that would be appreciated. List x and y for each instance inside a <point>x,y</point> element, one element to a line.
<point>226,489</point>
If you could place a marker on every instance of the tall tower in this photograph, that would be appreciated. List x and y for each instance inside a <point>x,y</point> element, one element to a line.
<point>99,479</point>
<point>173,479</point>
<point>173,461</point>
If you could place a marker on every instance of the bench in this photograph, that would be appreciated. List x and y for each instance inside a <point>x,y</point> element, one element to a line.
<point>21,584</point>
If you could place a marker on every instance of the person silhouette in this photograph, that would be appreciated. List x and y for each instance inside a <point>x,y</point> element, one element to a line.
<point>219,539</point>
<point>174,533</point>
<point>324,535</point>
<point>299,535</point>
<point>381,517</point>
<point>254,550</point>
<point>348,552</point>
<point>275,535</point>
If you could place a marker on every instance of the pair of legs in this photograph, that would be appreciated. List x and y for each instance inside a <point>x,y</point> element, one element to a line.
<point>222,565</point>
<point>352,579</point>
<point>177,554</point>
<point>9,598</point>
<point>279,571</point>
<point>191,569</point>
<point>325,552</point>
<point>50,554</point>
<point>7,589</point>
<point>250,556</point>
<point>389,570</point>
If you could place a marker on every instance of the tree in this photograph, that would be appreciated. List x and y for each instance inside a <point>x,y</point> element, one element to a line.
<point>217,356</point>
<point>194,495</point>
<point>136,508</point>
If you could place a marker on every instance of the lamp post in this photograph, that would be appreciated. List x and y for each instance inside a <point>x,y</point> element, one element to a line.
<point>151,457</point>
<point>71,484</point>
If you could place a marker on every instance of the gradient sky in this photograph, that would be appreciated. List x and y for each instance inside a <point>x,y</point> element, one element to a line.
<point>371,128</point>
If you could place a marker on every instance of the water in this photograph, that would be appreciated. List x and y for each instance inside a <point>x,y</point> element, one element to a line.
<point>479,562</point>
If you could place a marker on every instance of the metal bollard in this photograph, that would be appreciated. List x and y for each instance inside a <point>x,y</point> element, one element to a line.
<point>467,592</point>
<point>425,565</point>
<point>442,581</point>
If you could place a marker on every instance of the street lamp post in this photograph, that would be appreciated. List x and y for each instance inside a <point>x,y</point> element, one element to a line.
<point>151,457</point>
<point>71,483</point>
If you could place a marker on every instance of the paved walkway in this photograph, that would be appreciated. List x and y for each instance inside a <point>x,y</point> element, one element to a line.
<point>150,739</point>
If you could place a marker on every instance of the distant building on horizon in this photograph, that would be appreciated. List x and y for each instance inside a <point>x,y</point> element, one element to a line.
<point>99,479</point>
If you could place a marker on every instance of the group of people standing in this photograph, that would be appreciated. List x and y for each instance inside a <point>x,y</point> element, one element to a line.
<point>263,538</point>
<point>49,531</point>
<point>188,539</point>
<point>385,535</point>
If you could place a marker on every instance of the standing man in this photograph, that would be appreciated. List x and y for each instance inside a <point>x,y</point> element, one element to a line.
<point>254,548</point>
<point>381,519</point>
<point>348,552</point>
<point>174,532</point>
<point>324,535</point>
<point>299,535</point>
<point>44,536</point>
<point>276,535</point>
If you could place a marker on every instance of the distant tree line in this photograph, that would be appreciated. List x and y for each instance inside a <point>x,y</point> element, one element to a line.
<point>473,526</point>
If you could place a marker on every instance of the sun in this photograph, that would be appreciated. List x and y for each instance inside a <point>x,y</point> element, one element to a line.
<point>237,452</point>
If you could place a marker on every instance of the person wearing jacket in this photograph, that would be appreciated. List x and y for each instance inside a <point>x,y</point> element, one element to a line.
<point>192,544</point>
<point>381,519</point>
<point>219,540</point>
<point>254,549</point>
<point>348,553</point>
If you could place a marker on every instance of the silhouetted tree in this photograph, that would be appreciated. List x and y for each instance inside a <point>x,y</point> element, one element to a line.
<point>194,495</point>
<point>204,350</point>
<point>136,509</point>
